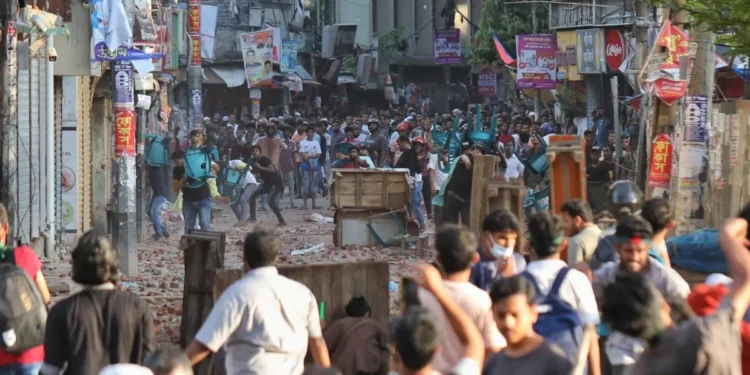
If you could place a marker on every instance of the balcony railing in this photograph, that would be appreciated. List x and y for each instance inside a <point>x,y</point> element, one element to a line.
<point>577,14</point>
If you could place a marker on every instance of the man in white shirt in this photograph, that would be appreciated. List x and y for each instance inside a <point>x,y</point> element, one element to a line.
<point>266,320</point>
<point>456,253</point>
<point>514,168</point>
<point>241,207</point>
<point>547,238</point>
<point>310,151</point>
<point>232,123</point>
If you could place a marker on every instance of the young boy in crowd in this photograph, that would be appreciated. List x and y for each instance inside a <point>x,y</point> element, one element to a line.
<point>496,256</point>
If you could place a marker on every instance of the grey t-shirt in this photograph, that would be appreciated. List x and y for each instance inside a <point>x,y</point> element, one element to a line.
<point>547,359</point>
<point>581,247</point>
<point>709,345</point>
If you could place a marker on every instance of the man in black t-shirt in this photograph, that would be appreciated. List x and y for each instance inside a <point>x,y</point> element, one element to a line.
<point>272,185</point>
<point>458,190</point>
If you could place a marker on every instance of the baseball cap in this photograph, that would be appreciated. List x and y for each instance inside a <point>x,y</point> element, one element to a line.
<point>478,145</point>
<point>418,140</point>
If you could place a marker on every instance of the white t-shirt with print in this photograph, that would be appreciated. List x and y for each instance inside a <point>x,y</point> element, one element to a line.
<point>439,175</point>
<point>309,147</point>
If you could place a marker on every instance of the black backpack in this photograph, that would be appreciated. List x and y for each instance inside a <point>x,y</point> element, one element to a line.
<point>23,313</point>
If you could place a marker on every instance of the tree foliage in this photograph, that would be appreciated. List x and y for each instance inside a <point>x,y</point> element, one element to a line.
<point>507,21</point>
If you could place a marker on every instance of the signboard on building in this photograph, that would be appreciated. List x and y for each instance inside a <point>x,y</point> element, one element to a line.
<point>590,56</point>
<point>124,132</point>
<point>537,68</point>
<point>447,46</point>
<point>257,56</point>
<point>660,170</point>
<point>615,49</point>
<point>122,73</point>
<point>195,50</point>
<point>696,119</point>
<point>289,50</point>
<point>487,83</point>
<point>566,56</point>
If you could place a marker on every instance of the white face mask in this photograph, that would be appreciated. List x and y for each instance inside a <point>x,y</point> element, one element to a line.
<point>500,252</point>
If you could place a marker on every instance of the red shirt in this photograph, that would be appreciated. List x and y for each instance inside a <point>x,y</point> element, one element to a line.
<point>29,262</point>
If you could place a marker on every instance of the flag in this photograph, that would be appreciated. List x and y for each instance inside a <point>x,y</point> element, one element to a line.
<point>504,55</point>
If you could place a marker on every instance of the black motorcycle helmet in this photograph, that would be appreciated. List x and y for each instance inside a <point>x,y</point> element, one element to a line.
<point>624,198</point>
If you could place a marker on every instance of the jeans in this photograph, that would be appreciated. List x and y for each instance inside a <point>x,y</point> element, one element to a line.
<point>21,369</point>
<point>416,203</point>
<point>241,209</point>
<point>427,196</point>
<point>156,203</point>
<point>200,210</point>
<point>273,191</point>
<point>289,180</point>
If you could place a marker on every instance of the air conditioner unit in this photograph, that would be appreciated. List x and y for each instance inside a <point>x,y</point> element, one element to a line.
<point>329,41</point>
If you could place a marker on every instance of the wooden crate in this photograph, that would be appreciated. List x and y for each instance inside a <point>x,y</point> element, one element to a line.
<point>333,284</point>
<point>370,188</point>
<point>351,226</point>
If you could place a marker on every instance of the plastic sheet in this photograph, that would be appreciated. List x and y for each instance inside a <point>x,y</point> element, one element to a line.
<point>698,252</point>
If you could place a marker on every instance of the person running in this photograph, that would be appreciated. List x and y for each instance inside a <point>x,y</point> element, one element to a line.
<point>272,185</point>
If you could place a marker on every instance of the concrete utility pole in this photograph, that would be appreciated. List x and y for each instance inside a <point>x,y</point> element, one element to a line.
<point>194,71</point>
<point>141,116</point>
<point>642,24</point>
<point>9,131</point>
<point>537,92</point>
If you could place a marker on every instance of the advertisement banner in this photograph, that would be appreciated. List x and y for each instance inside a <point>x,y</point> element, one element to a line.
<point>536,61</point>
<point>195,50</point>
<point>590,51</point>
<point>677,44</point>
<point>102,53</point>
<point>660,169</point>
<point>257,55</point>
<point>69,182</point>
<point>122,74</point>
<point>124,132</point>
<point>615,49</point>
<point>166,110</point>
<point>696,119</point>
<point>447,46</point>
<point>197,99</point>
<point>669,90</point>
<point>289,50</point>
<point>194,19</point>
<point>275,42</point>
<point>487,83</point>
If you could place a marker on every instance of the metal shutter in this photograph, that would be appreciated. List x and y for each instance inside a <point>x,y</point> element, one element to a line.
<point>23,155</point>
<point>34,148</point>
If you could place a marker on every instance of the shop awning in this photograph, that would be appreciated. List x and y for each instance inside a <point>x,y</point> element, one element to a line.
<point>231,76</point>
<point>347,80</point>
<point>303,73</point>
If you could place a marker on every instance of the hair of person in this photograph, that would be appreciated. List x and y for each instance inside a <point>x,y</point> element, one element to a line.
<point>632,305</point>
<point>455,246</point>
<point>178,154</point>
<point>634,226</point>
<point>261,248</point>
<point>309,127</point>
<point>679,309</point>
<point>588,132</point>
<point>578,208</point>
<point>167,359</point>
<point>607,147</point>
<point>403,138</point>
<point>657,213</point>
<point>95,261</point>
<point>502,220</point>
<point>516,284</point>
<point>349,129</point>
<point>546,232</point>
<point>357,307</point>
<point>416,337</point>
<point>524,137</point>
<point>253,147</point>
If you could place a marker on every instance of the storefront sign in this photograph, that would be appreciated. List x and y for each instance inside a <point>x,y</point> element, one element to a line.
<point>536,61</point>
<point>669,90</point>
<point>195,50</point>
<point>660,170</point>
<point>289,50</point>
<point>102,53</point>
<point>122,74</point>
<point>615,50</point>
<point>566,56</point>
<point>447,46</point>
<point>124,132</point>
<point>590,51</point>
<point>194,19</point>
<point>487,83</point>
<point>166,110</point>
<point>696,119</point>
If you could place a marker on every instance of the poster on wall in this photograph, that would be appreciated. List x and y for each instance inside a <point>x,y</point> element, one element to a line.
<point>197,99</point>
<point>692,187</point>
<point>660,169</point>
<point>487,82</point>
<point>69,180</point>
<point>257,56</point>
<point>447,46</point>
<point>536,61</point>
<point>289,50</point>
<point>122,73</point>
<point>124,132</point>
<point>696,119</point>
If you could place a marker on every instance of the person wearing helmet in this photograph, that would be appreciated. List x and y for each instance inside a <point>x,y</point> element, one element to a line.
<point>414,160</point>
<point>376,143</point>
<point>624,199</point>
<point>458,188</point>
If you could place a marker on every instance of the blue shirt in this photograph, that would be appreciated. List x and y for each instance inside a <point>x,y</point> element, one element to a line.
<point>484,273</point>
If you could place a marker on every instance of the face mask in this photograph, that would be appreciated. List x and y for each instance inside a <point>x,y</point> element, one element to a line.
<point>500,251</point>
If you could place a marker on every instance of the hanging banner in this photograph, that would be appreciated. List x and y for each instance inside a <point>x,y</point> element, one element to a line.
<point>166,110</point>
<point>289,50</point>
<point>275,43</point>
<point>660,170</point>
<point>447,46</point>
<point>195,50</point>
<point>677,44</point>
<point>122,74</point>
<point>696,119</point>
<point>194,18</point>
<point>102,53</point>
<point>257,55</point>
<point>124,132</point>
<point>590,51</point>
<point>669,90</point>
<point>536,61</point>
<point>487,83</point>
<point>197,99</point>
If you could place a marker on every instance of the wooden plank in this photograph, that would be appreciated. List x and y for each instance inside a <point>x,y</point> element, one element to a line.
<point>333,284</point>
<point>483,171</point>
<point>509,196</point>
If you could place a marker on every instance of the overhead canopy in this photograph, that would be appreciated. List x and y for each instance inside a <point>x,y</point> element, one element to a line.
<point>231,76</point>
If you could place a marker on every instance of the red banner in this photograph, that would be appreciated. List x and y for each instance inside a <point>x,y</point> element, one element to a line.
<point>195,50</point>
<point>194,19</point>
<point>487,83</point>
<point>124,132</point>
<point>660,169</point>
<point>676,42</point>
<point>669,90</point>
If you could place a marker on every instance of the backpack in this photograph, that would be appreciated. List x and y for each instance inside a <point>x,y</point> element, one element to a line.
<point>157,150</point>
<point>234,183</point>
<point>558,323</point>
<point>23,314</point>
<point>198,165</point>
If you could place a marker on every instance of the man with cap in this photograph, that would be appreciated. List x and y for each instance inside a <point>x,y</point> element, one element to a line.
<point>376,143</point>
<point>458,190</point>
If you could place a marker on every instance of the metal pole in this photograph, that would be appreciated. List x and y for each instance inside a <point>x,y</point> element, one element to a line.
<point>618,128</point>
<point>140,206</point>
<point>194,70</point>
<point>49,245</point>
<point>537,92</point>
<point>8,186</point>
